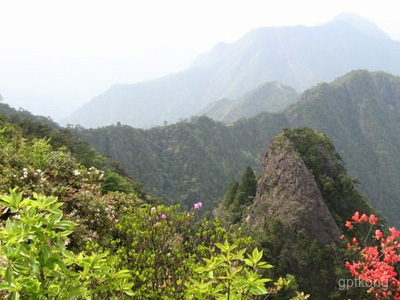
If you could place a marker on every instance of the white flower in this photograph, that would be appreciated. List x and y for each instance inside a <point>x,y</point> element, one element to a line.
<point>77,173</point>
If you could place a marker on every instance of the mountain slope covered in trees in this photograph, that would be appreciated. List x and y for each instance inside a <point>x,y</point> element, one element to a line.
<point>296,56</point>
<point>268,97</point>
<point>360,112</point>
<point>71,231</point>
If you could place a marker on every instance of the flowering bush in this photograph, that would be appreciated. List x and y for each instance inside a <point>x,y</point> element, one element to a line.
<point>33,166</point>
<point>378,262</point>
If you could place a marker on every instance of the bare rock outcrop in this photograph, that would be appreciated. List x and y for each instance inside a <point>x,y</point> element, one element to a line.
<point>287,190</point>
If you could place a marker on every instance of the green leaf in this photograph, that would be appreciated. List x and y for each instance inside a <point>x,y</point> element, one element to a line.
<point>8,275</point>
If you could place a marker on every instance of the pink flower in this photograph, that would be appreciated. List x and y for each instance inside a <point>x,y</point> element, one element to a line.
<point>153,208</point>
<point>198,205</point>
<point>163,216</point>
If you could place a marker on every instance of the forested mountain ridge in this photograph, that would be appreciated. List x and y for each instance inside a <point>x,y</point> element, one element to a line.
<point>267,97</point>
<point>359,112</point>
<point>167,157</point>
<point>296,56</point>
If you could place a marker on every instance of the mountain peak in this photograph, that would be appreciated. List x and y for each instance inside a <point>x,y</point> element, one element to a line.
<point>287,187</point>
<point>361,24</point>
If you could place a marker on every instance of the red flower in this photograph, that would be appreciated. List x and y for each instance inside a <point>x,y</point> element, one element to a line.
<point>378,234</point>
<point>356,216</point>
<point>395,233</point>
<point>349,225</point>
<point>363,218</point>
<point>373,219</point>
<point>377,264</point>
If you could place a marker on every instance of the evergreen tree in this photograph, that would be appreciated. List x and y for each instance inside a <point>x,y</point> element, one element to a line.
<point>245,193</point>
<point>230,194</point>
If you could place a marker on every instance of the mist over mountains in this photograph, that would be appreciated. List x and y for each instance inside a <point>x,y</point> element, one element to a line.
<point>297,56</point>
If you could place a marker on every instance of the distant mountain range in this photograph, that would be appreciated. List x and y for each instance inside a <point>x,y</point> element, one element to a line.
<point>196,160</point>
<point>268,97</point>
<point>296,56</point>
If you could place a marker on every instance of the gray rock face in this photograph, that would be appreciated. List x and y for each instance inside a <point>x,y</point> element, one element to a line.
<point>287,191</point>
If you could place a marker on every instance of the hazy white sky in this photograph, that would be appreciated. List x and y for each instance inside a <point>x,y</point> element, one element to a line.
<point>56,55</point>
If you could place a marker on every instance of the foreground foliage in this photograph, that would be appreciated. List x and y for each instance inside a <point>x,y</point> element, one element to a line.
<point>34,260</point>
<point>153,261</point>
<point>230,275</point>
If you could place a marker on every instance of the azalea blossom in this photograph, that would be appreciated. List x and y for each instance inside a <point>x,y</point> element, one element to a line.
<point>356,217</point>
<point>395,233</point>
<point>198,205</point>
<point>378,234</point>
<point>373,219</point>
<point>377,263</point>
<point>349,225</point>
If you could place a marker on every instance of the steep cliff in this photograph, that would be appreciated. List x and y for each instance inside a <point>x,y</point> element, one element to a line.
<point>287,190</point>
<point>304,195</point>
